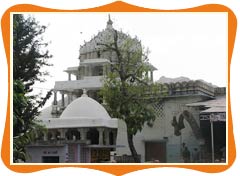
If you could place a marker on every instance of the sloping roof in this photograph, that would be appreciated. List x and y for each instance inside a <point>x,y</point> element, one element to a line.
<point>150,66</point>
<point>218,102</point>
<point>47,112</point>
<point>215,105</point>
<point>215,109</point>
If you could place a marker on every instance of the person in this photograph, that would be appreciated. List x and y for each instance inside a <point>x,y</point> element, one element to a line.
<point>195,155</point>
<point>183,146</point>
<point>186,155</point>
<point>223,150</point>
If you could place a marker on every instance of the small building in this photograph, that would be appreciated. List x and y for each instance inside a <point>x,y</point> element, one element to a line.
<point>179,120</point>
<point>80,135</point>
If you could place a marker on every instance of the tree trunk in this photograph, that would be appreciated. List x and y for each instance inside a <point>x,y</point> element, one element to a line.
<point>132,148</point>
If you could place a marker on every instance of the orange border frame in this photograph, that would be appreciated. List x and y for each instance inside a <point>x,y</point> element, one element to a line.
<point>115,168</point>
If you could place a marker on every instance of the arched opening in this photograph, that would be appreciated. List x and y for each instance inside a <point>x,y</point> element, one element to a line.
<point>73,134</point>
<point>111,138</point>
<point>49,136</point>
<point>40,136</point>
<point>104,137</point>
<point>93,136</point>
<point>57,135</point>
<point>98,54</point>
<point>219,137</point>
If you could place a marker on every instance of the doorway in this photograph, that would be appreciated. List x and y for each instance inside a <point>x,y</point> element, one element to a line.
<point>155,151</point>
<point>50,159</point>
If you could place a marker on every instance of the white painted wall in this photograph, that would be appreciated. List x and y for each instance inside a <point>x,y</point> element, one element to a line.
<point>37,152</point>
<point>162,128</point>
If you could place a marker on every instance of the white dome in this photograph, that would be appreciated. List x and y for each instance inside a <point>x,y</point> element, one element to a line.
<point>85,107</point>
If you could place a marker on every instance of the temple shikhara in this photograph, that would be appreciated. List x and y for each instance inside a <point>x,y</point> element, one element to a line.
<point>80,130</point>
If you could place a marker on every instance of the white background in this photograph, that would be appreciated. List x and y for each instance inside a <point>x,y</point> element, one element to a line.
<point>218,79</point>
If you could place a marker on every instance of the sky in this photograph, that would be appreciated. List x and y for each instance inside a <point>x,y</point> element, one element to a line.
<point>192,45</point>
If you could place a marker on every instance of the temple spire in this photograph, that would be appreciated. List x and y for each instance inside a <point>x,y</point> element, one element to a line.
<point>84,93</point>
<point>109,23</point>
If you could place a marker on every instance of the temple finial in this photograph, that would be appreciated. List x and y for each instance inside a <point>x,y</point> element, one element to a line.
<point>84,93</point>
<point>109,23</point>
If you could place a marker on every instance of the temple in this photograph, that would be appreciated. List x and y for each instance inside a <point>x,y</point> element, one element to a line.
<point>80,130</point>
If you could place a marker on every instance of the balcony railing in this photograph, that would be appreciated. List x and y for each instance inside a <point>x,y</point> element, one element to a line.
<point>89,82</point>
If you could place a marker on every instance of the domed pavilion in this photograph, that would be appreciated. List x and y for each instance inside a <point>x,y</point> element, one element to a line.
<point>84,132</point>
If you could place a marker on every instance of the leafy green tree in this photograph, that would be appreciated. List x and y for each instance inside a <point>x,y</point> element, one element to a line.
<point>127,91</point>
<point>25,129</point>
<point>29,56</point>
<point>29,51</point>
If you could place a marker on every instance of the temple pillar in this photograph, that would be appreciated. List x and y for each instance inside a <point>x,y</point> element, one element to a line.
<point>86,71</point>
<point>69,97</point>
<point>146,74</point>
<point>100,139</point>
<point>45,136</point>
<point>74,97</point>
<point>104,69</point>
<point>63,101</point>
<point>55,97</point>
<point>69,77</point>
<point>83,133</point>
<point>54,106</point>
<point>151,75</point>
<point>53,132</point>
<point>62,133</point>
<point>106,132</point>
<point>89,70</point>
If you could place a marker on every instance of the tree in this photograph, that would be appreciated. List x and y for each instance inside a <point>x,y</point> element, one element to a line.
<point>29,51</point>
<point>29,56</point>
<point>25,129</point>
<point>127,91</point>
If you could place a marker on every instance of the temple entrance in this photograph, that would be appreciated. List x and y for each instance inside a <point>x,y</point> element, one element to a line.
<point>155,151</point>
<point>93,136</point>
<point>50,159</point>
<point>73,134</point>
<point>219,133</point>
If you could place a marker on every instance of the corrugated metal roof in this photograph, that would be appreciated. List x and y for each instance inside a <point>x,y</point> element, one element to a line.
<point>218,102</point>
<point>214,109</point>
<point>213,106</point>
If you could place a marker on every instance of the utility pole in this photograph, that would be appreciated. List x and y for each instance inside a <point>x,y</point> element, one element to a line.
<point>211,118</point>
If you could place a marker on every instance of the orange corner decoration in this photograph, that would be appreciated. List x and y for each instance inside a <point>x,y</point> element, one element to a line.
<point>117,169</point>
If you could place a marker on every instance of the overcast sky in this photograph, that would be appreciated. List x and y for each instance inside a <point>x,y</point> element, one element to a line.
<point>193,45</point>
